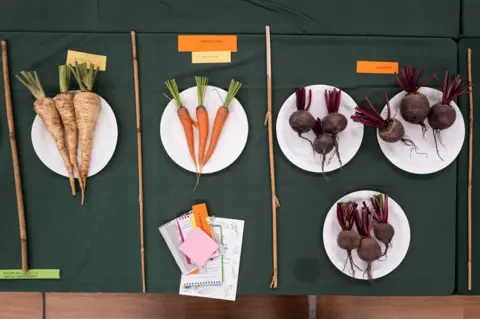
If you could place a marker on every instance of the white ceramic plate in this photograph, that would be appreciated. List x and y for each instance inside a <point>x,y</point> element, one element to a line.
<point>396,253</point>
<point>232,140</point>
<point>299,151</point>
<point>452,138</point>
<point>104,143</point>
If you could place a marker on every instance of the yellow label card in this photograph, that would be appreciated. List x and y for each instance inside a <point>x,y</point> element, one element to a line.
<point>31,274</point>
<point>82,57</point>
<point>212,57</point>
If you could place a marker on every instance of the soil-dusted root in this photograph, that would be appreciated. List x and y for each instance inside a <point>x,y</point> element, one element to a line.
<point>347,239</point>
<point>382,229</point>
<point>368,250</point>
<point>301,121</point>
<point>442,115</point>
<point>390,129</point>
<point>64,103</point>
<point>47,111</point>
<point>324,143</point>
<point>202,121</point>
<point>87,107</point>
<point>334,122</point>
<point>414,106</point>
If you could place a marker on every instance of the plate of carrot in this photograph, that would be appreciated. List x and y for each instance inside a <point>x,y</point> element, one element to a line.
<point>203,129</point>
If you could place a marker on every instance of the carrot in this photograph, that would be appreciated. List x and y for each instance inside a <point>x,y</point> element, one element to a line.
<point>64,103</point>
<point>220,119</point>
<point>87,107</point>
<point>202,121</point>
<point>184,117</point>
<point>47,111</point>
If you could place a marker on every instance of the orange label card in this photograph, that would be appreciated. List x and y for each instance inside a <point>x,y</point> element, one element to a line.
<point>201,215</point>
<point>199,43</point>
<point>377,67</point>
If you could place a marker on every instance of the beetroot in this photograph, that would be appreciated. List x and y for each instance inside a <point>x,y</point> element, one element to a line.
<point>324,143</point>
<point>383,230</point>
<point>334,122</point>
<point>347,238</point>
<point>368,250</point>
<point>442,115</point>
<point>301,121</point>
<point>414,106</point>
<point>390,130</point>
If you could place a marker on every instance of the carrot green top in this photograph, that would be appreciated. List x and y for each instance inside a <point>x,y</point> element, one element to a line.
<point>233,89</point>
<point>173,89</point>
<point>32,83</point>
<point>64,78</point>
<point>202,83</point>
<point>85,75</point>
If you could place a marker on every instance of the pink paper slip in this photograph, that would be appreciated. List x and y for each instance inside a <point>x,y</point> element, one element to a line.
<point>199,247</point>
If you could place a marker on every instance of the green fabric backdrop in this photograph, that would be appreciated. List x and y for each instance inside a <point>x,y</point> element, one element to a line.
<point>434,18</point>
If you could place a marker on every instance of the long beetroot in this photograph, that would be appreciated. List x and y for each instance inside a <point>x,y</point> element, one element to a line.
<point>368,250</point>
<point>414,106</point>
<point>347,239</point>
<point>382,229</point>
<point>390,129</point>
<point>442,115</point>
<point>301,121</point>
<point>334,122</point>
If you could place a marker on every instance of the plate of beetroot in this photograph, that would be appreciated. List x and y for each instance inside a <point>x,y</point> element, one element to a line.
<point>366,235</point>
<point>315,131</point>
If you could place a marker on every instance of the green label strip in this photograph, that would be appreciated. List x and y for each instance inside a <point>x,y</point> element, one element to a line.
<point>31,274</point>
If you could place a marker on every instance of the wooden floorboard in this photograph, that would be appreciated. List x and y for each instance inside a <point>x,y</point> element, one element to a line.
<point>20,305</point>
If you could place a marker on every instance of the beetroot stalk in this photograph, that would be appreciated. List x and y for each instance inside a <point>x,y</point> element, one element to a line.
<point>390,129</point>
<point>347,239</point>
<point>368,250</point>
<point>414,106</point>
<point>442,115</point>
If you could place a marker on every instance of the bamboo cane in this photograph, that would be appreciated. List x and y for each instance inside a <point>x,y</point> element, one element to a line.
<point>470,168</point>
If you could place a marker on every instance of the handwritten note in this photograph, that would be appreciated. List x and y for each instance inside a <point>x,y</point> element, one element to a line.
<point>31,274</point>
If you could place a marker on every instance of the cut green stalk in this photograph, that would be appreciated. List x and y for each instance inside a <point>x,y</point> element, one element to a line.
<point>64,78</point>
<point>32,83</point>
<point>202,83</point>
<point>85,75</point>
<point>233,89</point>
<point>173,89</point>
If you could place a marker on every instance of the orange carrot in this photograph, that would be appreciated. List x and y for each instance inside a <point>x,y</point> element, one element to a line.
<point>220,119</point>
<point>184,117</point>
<point>202,121</point>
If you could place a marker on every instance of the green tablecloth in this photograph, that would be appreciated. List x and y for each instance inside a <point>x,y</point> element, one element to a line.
<point>469,18</point>
<point>435,18</point>
<point>97,246</point>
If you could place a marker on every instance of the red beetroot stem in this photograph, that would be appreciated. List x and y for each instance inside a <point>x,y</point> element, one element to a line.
<point>380,206</point>
<point>369,118</point>
<point>301,97</point>
<point>364,221</point>
<point>317,127</point>
<point>411,79</point>
<point>345,214</point>
<point>453,87</point>
<point>332,100</point>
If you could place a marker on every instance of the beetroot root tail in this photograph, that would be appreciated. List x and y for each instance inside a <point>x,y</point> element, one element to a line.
<point>413,147</point>
<point>437,138</point>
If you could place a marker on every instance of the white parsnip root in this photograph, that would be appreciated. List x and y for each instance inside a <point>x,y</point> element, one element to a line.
<point>46,109</point>
<point>87,107</point>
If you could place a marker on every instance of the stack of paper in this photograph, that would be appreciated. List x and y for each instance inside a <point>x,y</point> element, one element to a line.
<point>207,251</point>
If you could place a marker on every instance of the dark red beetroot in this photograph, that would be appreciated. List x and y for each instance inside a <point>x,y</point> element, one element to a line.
<point>390,130</point>
<point>414,106</point>
<point>382,229</point>
<point>324,143</point>
<point>442,115</point>
<point>347,239</point>
<point>368,250</point>
<point>334,122</point>
<point>301,121</point>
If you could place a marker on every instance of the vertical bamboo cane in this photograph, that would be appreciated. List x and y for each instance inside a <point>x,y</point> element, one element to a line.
<point>16,166</point>
<point>268,120</point>
<point>470,168</point>
<point>139,153</point>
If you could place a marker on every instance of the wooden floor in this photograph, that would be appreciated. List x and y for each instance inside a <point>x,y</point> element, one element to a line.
<point>129,306</point>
